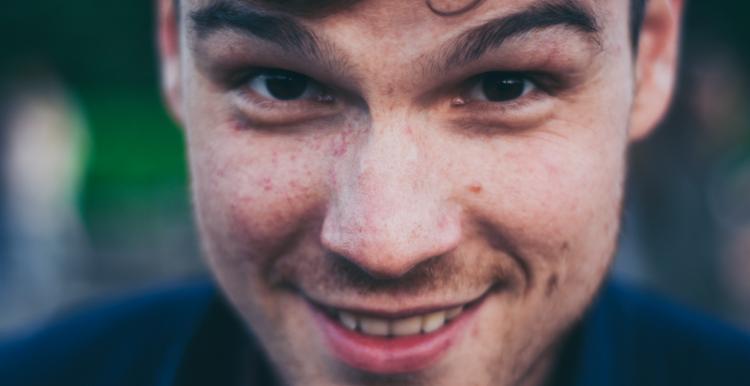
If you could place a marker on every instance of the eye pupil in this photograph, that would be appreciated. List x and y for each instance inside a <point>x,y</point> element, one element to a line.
<point>286,85</point>
<point>500,87</point>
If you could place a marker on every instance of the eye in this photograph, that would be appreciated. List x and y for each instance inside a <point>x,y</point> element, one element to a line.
<point>283,85</point>
<point>501,87</point>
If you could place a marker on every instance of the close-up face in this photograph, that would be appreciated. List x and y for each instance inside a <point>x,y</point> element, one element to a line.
<point>391,191</point>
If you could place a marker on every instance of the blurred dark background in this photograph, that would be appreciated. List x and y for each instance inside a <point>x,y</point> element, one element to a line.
<point>93,183</point>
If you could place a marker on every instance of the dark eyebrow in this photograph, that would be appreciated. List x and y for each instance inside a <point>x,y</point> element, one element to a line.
<point>474,43</point>
<point>281,30</point>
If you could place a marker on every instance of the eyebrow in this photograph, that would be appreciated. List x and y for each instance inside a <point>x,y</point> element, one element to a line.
<point>474,43</point>
<point>292,36</point>
<point>281,30</point>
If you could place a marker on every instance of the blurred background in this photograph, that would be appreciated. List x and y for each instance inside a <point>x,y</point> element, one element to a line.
<point>93,184</point>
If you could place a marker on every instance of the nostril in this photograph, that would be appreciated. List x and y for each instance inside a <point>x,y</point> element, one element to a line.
<point>377,259</point>
<point>355,274</point>
<point>350,271</point>
<point>374,262</point>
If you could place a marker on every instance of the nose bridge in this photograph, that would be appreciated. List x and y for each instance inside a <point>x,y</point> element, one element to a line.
<point>390,164</point>
<point>387,215</point>
<point>388,174</point>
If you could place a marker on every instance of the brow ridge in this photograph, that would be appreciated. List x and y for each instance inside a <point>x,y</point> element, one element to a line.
<point>474,43</point>
<point>278,29</point>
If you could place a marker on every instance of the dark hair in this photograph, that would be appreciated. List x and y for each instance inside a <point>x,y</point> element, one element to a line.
<point>321,7</point>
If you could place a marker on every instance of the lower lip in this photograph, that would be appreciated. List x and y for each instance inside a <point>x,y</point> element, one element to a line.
<point>394,355</point>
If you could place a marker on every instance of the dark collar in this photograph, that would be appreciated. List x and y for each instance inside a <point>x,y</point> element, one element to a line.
<point>223,352</point>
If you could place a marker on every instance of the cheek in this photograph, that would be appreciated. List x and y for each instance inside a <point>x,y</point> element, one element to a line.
<point>252,194</point>
<point>559,201</point>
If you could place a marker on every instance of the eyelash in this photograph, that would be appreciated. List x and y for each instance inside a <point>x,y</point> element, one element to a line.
<point>542,84</point>
<point>240,84</point>
<point>536,87</point>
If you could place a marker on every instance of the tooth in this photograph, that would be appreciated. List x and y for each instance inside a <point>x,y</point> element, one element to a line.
<point>453,312</point>
<point>348,320</point>
<point>433,321</point>
<point>371,326</point>
<point>408,326</point>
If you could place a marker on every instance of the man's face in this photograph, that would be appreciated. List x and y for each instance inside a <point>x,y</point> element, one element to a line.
<point>449,187</point>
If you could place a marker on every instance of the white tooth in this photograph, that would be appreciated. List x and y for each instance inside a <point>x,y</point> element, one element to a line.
<point>408,326</point>
<point>453,312</point>
<point>348,320</point>
<point>371,326</point>
<point>433,321</point>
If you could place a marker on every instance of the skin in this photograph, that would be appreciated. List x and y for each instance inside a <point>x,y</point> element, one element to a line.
<point>403,191</point>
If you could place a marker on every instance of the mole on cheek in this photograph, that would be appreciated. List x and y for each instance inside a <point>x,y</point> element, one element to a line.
<point>475,188</point>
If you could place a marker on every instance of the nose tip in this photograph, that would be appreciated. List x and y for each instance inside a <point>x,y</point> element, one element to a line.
<point>390,247</point>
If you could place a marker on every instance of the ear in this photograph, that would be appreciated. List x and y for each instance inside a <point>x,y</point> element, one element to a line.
<point>656,65</point>
<point>168,38</point>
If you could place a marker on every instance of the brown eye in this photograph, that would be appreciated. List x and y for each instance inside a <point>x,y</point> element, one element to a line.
<point>501,87</point>
<point>283,85</point>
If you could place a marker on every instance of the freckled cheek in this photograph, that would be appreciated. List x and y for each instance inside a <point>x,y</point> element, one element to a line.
<point>252,205</point>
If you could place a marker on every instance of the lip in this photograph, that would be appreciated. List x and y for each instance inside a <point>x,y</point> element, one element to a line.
<point>392,355</point>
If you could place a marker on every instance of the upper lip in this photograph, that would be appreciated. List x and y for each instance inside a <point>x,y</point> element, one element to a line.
<point>385,312</point>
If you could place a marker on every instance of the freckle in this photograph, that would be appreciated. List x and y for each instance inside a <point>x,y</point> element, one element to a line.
<point>331,176</point>
<point>565,247</point>
<point>238,125</point>
<point>443,222</point>
<point>475,188</point>
<point>267,184</point>
<point>340,144</point>
<point>551,285</point>
<point>339,149</point>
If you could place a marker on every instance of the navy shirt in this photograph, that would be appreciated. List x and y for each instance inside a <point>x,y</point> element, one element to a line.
<point>186,335</point>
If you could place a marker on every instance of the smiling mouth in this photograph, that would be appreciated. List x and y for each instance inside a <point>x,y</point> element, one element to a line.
<point>408,324</point>
<point>393,342</point>
<point>414,325</point>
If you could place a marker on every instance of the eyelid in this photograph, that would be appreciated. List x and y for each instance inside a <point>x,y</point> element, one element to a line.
<point>263,112</point>
<point>484,116</point>
<point>508,107</point>
<point>474,90</point>
<point>242,83</point>
<point>257,83</point>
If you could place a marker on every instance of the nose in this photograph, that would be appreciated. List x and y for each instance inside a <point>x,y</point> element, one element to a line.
<point>388,210</point>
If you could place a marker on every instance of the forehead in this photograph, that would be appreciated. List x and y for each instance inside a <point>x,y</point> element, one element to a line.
<point>411,33</point>
<point>387,18</point>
